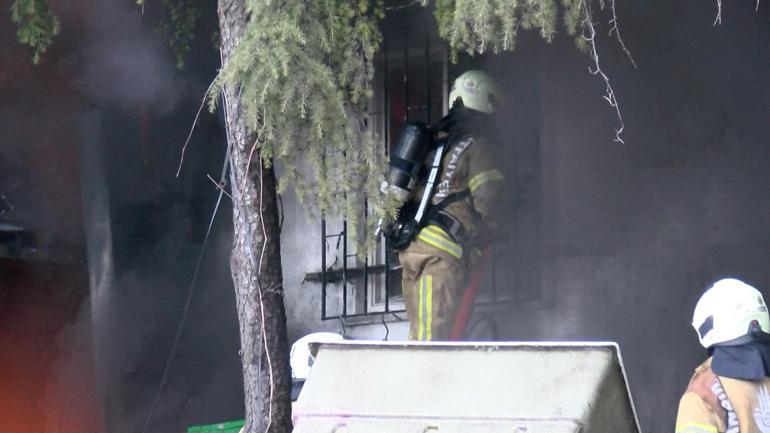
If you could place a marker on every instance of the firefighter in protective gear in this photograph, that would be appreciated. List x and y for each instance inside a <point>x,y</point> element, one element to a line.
<point>463,215</point>
<point>730,392</point>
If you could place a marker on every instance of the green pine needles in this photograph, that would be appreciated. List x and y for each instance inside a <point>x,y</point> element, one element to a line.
<point>36,25</point>
<point>179,25</point>
<point>480,26</point>
<point>304,71</point>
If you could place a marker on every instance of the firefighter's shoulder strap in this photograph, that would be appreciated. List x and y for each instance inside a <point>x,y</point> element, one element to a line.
<point>435,215</point>
<point>428,191</point>
<point>435,169</point>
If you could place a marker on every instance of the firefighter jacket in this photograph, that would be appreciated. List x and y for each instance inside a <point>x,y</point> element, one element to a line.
<point>470,182</point>
<point>435,264</point>
<point>716,404</point>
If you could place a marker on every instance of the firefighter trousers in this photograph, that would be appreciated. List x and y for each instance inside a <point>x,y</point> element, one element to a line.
<point>434,275</point>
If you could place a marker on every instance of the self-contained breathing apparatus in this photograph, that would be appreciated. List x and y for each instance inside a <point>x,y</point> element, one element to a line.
<point>408,171</point>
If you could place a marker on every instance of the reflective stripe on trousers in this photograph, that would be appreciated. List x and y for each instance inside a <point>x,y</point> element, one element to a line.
<point>425,308</point>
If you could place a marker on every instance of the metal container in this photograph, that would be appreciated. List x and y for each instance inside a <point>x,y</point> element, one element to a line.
<point>399,387</point>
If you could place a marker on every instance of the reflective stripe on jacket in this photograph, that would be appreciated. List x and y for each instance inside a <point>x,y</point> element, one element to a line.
<point>436,237</point>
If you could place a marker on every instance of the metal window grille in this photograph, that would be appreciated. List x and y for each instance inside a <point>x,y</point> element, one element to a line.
<point>411,85</point>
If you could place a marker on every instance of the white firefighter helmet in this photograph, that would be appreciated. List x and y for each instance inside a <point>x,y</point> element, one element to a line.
<point>300,358</point>
<point>477,90</point>
<point>729,310</point>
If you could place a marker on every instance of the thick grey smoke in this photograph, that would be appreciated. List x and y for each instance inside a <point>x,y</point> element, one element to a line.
<point>124,62</point>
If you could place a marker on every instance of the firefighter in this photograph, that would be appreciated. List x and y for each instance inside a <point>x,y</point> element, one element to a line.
<point>463,212</point>
<point>730,391</point>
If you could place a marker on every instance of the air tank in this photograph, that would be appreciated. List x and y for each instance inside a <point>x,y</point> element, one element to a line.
<point>406,160</point>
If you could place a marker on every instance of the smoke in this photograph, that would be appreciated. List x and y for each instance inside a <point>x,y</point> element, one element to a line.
<point>68,401</point>
<point>46,364</point>
<point>108,92</point>
<point>124,63</point>
<point>629,235</point>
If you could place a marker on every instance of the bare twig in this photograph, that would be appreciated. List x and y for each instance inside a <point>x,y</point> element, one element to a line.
<point>718,20</point>
<point>188,301</point>
<point>7,206</point>
<point>248,163</point>
<point>261,293</point>
<point>251,154</point>
<point>195,122</point>
<point>220,186</point>
<point>614,28</point>
<point>404,6</point>
<point>590,37</point>
<point>261,302</point>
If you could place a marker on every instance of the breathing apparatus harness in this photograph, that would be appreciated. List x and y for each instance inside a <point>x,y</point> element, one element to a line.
<point>407,169</point>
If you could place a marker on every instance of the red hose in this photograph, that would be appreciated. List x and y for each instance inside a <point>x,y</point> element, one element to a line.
<point>465,311</point>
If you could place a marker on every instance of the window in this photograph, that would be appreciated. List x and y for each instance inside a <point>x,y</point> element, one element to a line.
<point>411,83</point>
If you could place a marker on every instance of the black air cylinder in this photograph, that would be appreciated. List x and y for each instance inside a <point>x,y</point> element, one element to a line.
<point>406,159</point>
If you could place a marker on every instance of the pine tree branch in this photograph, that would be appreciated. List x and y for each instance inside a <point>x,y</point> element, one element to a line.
<point>36,25</point>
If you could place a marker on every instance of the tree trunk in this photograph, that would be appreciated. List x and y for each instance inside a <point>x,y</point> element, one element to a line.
<point>256,259</point>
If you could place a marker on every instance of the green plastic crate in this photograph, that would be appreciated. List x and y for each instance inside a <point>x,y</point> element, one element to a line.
<point>222,427</point>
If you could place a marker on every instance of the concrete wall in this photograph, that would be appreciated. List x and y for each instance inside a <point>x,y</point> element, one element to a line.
<point>632,233</point>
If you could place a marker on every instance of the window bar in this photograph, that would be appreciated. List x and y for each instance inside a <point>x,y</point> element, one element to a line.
<point>494,278</point>
<point>427,81</point>
<point>323,269</point>
<point>406,79</point>
<point>344,268</point>
<point>387,278</point>
<point>386,115</point>
<point>386,121</point>
<point>366,263</point>
<point>445,79</point>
